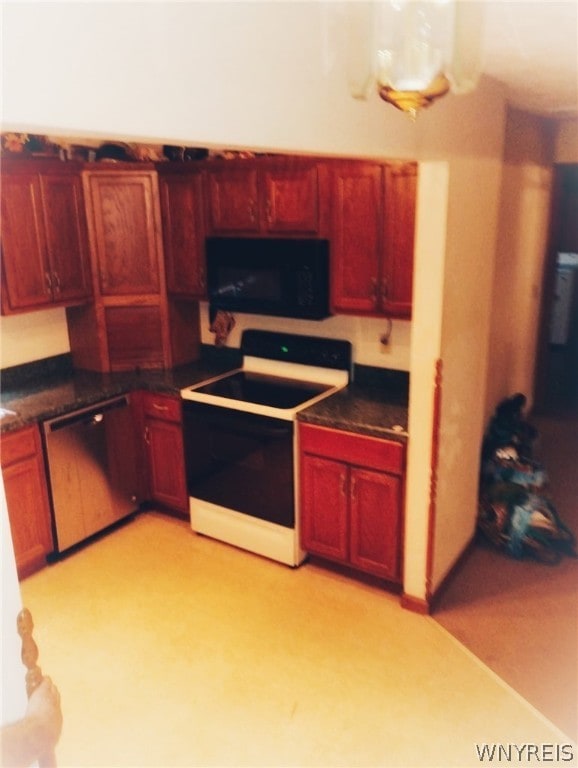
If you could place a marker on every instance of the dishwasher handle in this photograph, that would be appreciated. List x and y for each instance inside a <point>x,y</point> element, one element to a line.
<point>87,416</point>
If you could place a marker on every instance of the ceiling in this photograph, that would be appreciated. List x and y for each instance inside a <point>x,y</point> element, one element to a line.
<point>532,47</point>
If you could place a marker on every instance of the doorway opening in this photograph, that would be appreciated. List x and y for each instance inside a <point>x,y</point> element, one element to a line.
<point>556,379</point>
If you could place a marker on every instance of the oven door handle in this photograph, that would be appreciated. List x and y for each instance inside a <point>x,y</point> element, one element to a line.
<point>233,420</point>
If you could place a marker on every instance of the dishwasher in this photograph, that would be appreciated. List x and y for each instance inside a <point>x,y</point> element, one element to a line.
<point>92,469</point>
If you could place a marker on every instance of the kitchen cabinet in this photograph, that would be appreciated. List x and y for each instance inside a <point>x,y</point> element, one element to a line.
<point>400,211</point>
<point>27,498</point>
<point>164,459</point>
<point>356,237</point>
<point>352,499</point>
<point>124,225</point>
<point>268,197</point>
<point>133,323</point>
<point>183,220</point>
<point>372,237</point>
<point>45,259</point>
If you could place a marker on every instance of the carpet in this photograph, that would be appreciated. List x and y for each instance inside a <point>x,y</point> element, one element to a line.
<point>520,617</point>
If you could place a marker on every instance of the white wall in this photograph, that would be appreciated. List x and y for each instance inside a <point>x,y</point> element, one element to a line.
<point>521,250</point>
<point>249,74</point>
<point>363,332</point>
<point>32,336</point>
<point>470,133</point>
<point>566,142</point>
<point>428,288</point>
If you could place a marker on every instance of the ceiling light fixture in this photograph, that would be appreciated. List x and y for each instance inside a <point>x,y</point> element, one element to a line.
<point>421,50</point>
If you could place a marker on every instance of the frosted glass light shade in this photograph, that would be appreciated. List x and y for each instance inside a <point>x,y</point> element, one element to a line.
<point>420,49</point>
<point>414,42</point>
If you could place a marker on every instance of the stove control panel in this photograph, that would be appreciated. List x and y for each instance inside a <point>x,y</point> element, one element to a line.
<point>297,348</point>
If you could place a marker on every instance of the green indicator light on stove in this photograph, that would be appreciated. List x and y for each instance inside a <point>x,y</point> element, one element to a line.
<point>284,349</point>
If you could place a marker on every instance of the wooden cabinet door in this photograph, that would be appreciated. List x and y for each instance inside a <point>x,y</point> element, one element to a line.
<point>66,236</point>
<point>135,337</point>
<point>165,453</point>
<point>234,198</point>
<point>182,207</point>
<point>399,223</point>
<point>27,499</point>
<point>375,522</point>
<point>356,238</point>
<point>291,199</point>
<point>125,230</point>
<point>25,269</point>
<point>44,239</point>
<point>324,515</point>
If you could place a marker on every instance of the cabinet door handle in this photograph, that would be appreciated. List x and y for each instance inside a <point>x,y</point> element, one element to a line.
<point>147,436</point>
<point>384,289</point>
<point>158,407</point>
<point>353,488</point>
<point>252,210</point>
<point>343,487</point>
<point>56,282</point>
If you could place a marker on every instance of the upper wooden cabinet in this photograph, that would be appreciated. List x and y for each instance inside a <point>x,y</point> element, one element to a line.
<point>356,190</point>
<point>267,196</point>
<point>44,242</point>
<point>124,225</point>
<point>372,237</point>
<point>399,212</point>
<point>183,220</point>
<point>132,323</point>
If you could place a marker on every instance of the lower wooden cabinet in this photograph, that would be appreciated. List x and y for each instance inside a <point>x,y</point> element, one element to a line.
<point>27,499</point>
<point>352,499</point>
<point>163,449</point>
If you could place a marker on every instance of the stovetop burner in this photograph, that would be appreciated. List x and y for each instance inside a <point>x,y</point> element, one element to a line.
<point>281,374</point>
<point>274,391</point>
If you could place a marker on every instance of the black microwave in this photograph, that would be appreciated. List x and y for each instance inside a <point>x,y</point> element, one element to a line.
<point>268,276</point>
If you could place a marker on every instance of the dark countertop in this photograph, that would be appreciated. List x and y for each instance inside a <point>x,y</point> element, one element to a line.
<point>375,404</point>
<point>59,393</point>
<point>363,409</point>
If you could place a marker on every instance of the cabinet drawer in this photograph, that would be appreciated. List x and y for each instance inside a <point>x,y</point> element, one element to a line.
<point>162,407</point>
<point>360,450</point>
<point>19,445</point>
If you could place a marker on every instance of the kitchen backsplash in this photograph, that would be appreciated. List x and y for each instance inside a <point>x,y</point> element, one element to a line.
<point>364,333</point>
<point>37,335</point>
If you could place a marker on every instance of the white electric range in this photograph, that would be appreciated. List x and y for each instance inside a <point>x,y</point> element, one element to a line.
<point>240,439</point>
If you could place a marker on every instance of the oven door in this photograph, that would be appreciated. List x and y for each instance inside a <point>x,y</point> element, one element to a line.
<point>240,462</point>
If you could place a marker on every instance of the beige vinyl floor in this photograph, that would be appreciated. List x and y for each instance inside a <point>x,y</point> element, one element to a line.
<point>171,649</point>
